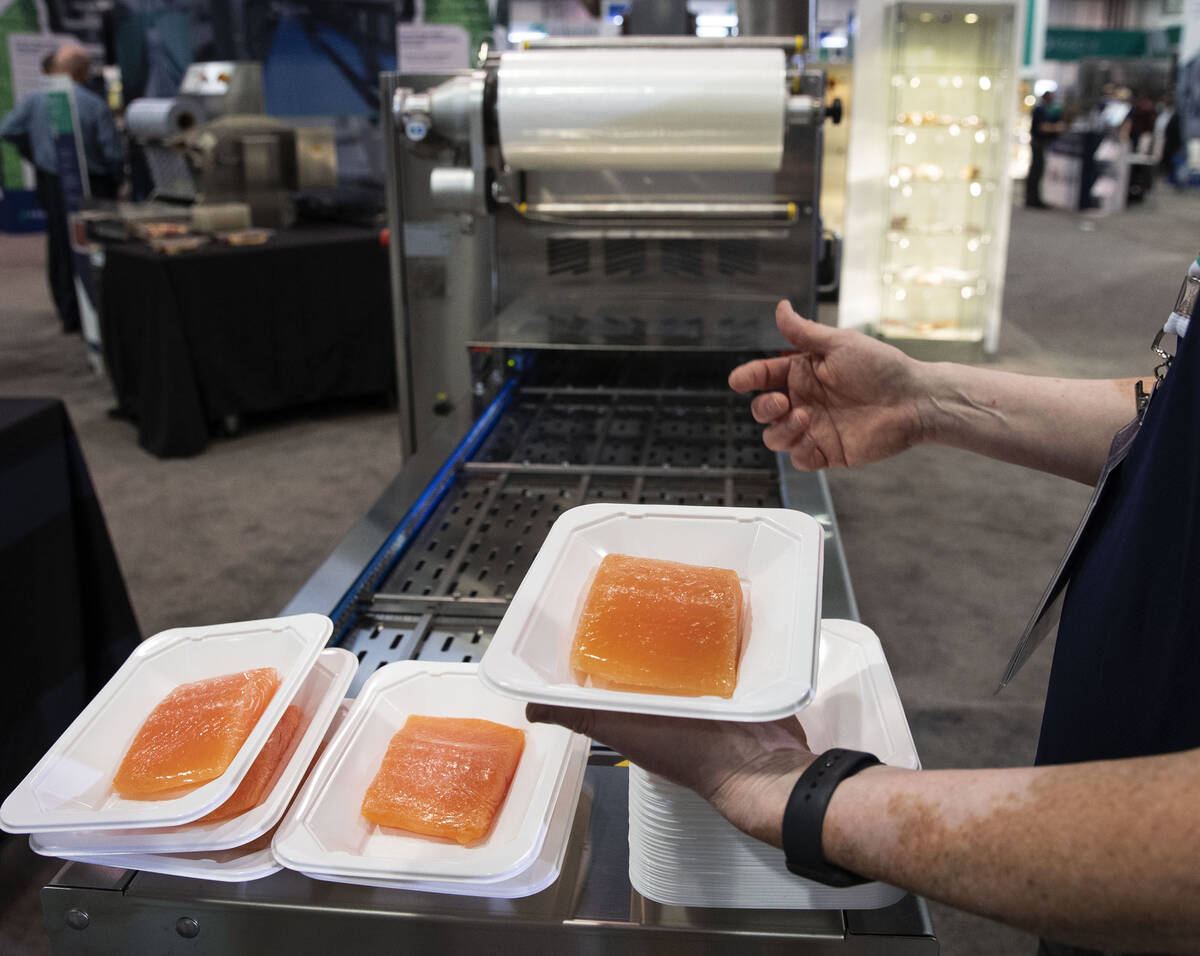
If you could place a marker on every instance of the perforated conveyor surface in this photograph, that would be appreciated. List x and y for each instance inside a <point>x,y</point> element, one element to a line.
<point>552,449</point>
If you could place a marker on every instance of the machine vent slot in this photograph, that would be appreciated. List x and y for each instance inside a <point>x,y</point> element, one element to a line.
<point>737,257</point>
<point>567,255</point>
<point>682,257</point>
<point>626,256</point>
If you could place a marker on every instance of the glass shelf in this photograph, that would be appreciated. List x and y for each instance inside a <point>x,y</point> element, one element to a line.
<point>947,100</point>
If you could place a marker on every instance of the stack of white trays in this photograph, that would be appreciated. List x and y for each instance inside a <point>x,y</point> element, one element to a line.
<point>683,853</point>
<point>67,803</point>
<point>326,837</point>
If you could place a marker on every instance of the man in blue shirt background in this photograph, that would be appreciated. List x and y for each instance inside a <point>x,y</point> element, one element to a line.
<point>28,127</point>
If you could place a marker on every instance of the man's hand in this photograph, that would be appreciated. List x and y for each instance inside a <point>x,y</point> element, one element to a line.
<point>745,770</point>
<point>846,399</point>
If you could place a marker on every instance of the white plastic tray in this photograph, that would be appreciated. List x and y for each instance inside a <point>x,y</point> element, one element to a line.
<point>776,552</point>
<point>252,861</point>
<point>318,700</point>
<point>325,832</point>
<point>235,865</point>
<point>683,853</point>
<point>541,873</point>
<point>71,786</point>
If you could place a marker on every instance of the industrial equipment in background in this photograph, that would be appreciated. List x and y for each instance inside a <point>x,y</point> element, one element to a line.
<point>616,194</point>
<point>213,145</point>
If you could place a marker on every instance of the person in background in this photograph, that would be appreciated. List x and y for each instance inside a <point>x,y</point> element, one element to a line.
<point>1045,125</point>
<point>1169,145</point>
<point>1097,845</point>
<point>28,128</point>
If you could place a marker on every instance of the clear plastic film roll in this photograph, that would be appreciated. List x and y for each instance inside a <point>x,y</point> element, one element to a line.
<point>150,119</point>
<point>642,109</point>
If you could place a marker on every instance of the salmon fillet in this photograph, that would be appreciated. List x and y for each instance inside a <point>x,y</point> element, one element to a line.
<point>194,733</point>
<point>445,777</point>
<point>253,788</point>
<point>660,626</point>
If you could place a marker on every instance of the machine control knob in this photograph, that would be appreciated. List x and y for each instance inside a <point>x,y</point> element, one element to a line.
<point>187,927</point>
<point>416,127</point>
<point>833,112</point>
<point>77,918</point>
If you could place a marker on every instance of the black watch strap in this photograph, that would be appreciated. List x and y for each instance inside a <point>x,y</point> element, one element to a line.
<point>804,816</point>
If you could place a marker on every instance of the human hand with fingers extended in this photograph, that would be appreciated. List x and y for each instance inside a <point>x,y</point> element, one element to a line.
<point>843,399</point>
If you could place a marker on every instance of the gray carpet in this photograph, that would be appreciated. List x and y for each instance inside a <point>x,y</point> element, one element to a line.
<point>947,552</point>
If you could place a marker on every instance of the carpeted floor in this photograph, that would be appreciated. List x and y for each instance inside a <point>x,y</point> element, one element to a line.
<point>947,552</point>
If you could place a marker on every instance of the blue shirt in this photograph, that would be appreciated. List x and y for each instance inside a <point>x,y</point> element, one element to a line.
<point>29,124</point>
<point>1127,662</point>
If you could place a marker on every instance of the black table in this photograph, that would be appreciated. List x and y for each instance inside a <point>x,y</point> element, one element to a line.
<point>68,623</point>
<point>195,338</point>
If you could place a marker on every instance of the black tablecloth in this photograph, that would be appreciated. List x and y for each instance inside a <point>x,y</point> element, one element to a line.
<point>196,337</point>
<point>68,623</point>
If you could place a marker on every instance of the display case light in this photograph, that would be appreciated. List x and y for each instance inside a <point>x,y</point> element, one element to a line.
<point>906,191</point>
<point>943,81</point>
<point>967,292</point>
<point>901,295</point>
<point>910,138</point>
<point>981,136</point>
<point>957,82</point>
<point>971,18</point>
<point>973,245</point>
<point>517,37</point>
<point>955,129</point>
<point>914,82</point>
<point>976,189</point>
<point>985,83</point>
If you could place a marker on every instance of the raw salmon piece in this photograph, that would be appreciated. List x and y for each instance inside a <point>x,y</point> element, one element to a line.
<point>253,788</point>
<point>445,777</point>
<point>660,626</point>
<point>194,733</point>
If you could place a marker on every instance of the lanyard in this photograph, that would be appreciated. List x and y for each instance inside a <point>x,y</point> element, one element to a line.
<point>1049,608</point>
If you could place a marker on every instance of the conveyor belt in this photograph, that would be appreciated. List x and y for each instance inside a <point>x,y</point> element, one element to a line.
<point>550,449</point>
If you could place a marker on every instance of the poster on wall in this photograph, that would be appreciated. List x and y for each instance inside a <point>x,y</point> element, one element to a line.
<point>18,210</point>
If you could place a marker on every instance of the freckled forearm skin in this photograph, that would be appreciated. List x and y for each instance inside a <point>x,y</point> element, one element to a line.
<point>1062,426</point>
<point>1103,854</point>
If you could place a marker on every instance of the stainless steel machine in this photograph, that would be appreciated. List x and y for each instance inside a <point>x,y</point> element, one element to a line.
<point>517,231</point>
<point>563,338</point>
<point>208,91</point>
<point>213,144</point>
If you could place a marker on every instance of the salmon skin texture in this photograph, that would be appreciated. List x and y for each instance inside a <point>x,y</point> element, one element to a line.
<point>194,733</point>
<point>445,777</point>
<point>660,626</point>
<point>253,788</point>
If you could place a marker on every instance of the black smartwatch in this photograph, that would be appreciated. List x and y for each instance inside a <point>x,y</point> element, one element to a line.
<point>805,816</point>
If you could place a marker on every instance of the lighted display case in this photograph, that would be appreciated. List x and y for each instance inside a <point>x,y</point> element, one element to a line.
<point>929,193</point>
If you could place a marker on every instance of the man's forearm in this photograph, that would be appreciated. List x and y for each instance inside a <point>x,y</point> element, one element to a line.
<point>1103,854</point>
<point>1062,426</point>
